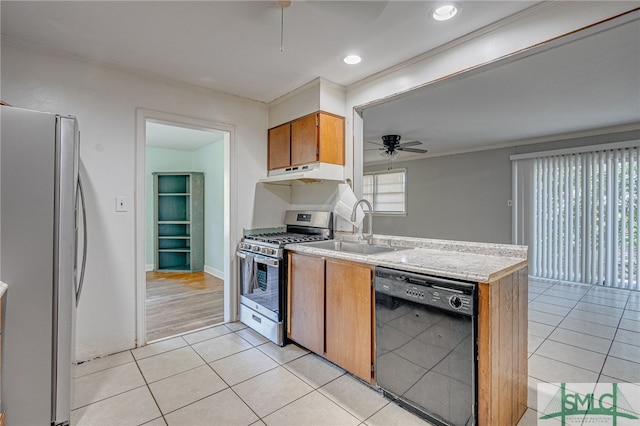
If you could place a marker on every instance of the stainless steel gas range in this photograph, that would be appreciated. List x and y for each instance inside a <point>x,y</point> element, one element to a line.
<point>262,270</point>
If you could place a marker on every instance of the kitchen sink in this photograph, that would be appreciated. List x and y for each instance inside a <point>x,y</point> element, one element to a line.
<point>350,247</point>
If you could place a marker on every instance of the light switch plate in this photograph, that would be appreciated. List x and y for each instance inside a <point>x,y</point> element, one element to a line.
<point>122,203</point>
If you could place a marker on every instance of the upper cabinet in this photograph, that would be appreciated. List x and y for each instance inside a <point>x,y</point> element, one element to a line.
<point>279,147</point>
<point>318,137</point>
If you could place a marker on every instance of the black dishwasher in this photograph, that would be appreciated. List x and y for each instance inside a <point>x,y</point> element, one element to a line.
<point>426,345</point>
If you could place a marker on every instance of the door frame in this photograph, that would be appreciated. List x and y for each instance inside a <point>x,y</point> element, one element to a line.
<point>230,207</point>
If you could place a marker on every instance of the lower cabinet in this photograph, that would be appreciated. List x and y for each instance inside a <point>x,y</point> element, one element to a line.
<point>348,317</point>
<point>305,295</point>
<point>330,311</point>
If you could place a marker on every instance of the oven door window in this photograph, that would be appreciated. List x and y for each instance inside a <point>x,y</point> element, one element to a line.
<point>259,280</point>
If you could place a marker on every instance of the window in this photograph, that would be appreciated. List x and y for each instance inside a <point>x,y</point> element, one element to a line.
<point>583,217</point>
<point>386,191</point>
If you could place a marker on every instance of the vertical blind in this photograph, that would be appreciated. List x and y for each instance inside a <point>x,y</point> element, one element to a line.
<point>385,191</point>
<point>584,214</point>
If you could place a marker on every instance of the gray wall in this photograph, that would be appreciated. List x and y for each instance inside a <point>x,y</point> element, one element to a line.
<point>464,196</point>
<point>455,197</point>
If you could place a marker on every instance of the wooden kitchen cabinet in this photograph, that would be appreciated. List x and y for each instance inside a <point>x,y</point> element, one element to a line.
<point>279,147</point>
<point>330,311</point>
<point>305,296</point>
<point>315,137</point>
<point>348,319</point>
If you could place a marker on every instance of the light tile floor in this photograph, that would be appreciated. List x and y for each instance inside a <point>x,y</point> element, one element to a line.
<point>230,375</point>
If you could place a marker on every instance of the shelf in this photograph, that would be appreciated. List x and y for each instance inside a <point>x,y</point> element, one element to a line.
<point>173,182</point>
<point>176,268</point>
<point>179,221</point>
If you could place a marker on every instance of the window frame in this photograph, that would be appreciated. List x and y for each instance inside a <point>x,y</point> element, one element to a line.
<point>375,173</point>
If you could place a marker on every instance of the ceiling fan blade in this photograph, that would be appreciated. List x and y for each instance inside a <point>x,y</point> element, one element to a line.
<point>410,143</point>
<point>420,151</point>
<point>374,143</point>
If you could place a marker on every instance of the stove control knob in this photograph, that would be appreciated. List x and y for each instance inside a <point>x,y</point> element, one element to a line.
<point>455,302</point>
<point>264,250</point>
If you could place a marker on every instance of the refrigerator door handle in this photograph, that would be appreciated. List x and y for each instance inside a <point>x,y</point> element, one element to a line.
<point>84,245</point>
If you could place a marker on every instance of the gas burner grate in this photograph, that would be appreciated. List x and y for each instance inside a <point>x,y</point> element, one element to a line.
<point>285,238</point>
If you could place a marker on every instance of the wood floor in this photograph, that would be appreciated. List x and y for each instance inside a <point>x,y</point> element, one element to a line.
<point>178,302</point>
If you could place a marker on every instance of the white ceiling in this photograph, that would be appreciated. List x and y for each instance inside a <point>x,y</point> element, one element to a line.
<point>234,47</point>
<point>591,83</point>
<point>172,136</point>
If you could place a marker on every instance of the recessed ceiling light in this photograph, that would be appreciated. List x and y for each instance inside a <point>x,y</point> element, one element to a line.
<point>352,59</point>
<point>444,12</point>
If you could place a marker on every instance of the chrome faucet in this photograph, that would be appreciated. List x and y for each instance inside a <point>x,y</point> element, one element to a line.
<point>368,237</point>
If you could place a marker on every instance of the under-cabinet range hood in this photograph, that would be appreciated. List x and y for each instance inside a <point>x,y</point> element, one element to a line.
<point>311,171</point>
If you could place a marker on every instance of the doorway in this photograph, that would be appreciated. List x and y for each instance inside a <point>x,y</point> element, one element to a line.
<point>170,303</point>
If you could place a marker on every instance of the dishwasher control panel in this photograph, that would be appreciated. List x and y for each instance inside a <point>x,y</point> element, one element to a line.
<point>450,295</point>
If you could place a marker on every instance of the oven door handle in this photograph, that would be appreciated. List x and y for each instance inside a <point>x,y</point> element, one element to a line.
<point>266,261</point>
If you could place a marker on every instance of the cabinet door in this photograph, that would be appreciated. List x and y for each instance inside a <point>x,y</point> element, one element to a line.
<point>304,140</point>
<point>279,147</point>
<point>349,317</point>
<point>331,138</point>
<point>306,301</point>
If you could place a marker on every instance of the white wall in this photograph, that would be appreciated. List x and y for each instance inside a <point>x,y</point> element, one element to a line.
<point>317,95</point>
<point>105,102</point>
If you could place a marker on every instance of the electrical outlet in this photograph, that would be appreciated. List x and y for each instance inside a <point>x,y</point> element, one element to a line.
<point>122,204</point>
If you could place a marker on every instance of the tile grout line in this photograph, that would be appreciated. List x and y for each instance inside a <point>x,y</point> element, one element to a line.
<point>187,344</point>
<point>606,356</point>
<point>554,329</point>
<point>612,341</point>
<point>150,392</point>
<point>216,373</point>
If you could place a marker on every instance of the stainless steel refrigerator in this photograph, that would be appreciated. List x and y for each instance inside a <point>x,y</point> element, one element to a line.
<point>41,230</point>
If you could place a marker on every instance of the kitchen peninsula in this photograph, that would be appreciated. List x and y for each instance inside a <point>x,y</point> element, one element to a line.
<point>332,308</point>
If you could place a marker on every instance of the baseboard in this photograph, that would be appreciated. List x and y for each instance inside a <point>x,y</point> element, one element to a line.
<point>98,349</point>
<point>212,271</point>
<point>208,269</point>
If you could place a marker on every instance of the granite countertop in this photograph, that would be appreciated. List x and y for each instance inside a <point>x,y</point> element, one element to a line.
<point>470,261</point>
